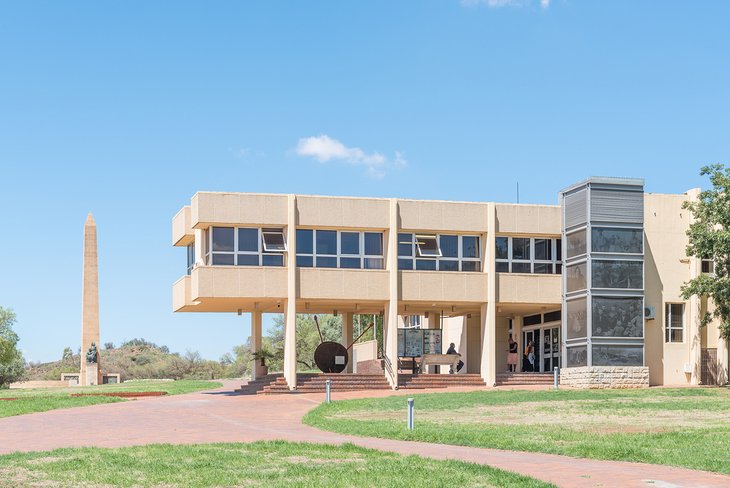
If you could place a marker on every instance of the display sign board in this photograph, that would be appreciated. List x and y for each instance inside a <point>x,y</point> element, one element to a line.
<point>413,343</point>
<point>401,343</point>
<point>432,341</point>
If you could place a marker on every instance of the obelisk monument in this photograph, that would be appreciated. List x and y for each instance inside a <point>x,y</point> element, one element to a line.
<point>90,370</point>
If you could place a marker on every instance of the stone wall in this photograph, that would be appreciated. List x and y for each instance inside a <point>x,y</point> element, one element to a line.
<point>605,377</point>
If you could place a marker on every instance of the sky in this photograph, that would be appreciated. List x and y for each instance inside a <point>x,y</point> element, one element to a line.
<point>126,109</point>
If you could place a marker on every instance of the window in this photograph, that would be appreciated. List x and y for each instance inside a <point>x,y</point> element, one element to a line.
<point>246,246</point>
<point>576,243</point>
<point>614,240</point>
<point>339,249</point>
<point>617,274</point>
<point>273,240</point>
<point>674,322</point>
<point>528,255</point>
<point>191,257</point>
<point>708,266</point>
<point>438,252</point>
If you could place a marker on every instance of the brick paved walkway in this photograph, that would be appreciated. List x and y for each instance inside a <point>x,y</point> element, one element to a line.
<point>218,416</point>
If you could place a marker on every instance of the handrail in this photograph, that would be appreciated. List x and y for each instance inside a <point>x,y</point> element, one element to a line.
<point>389,374</point>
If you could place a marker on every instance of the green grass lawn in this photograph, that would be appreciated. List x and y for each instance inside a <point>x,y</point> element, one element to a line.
<point>681,427</point>
<point>266,464</point>
<point>41,399</point>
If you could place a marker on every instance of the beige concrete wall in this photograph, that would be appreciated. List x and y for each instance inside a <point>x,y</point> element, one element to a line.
<point>342,212</point>
<point>434,286</point>
<point>365,351</point>
<point>473,344</point>
<point>182,231</point>
<point>181,295</point>
<point>342,284</point>
<point>529,288</point>
<point>438,216</point>
<point>502,345</point>
<point>666,269</point>
<point>529,219</point>
<point>238,209</point>
<point>243,281</point>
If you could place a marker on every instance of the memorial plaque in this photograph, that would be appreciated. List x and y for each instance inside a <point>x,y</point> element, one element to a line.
<point>432,341</point>
<point>413,343</point>
<point>401,343</point>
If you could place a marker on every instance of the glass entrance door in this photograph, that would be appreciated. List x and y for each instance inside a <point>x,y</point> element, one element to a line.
<point>551,348</point>
<point>531,340</point>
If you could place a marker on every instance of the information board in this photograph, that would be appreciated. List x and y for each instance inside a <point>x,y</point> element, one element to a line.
<point>401,343</point>
<point>432,341</point>
<point>413,343</point>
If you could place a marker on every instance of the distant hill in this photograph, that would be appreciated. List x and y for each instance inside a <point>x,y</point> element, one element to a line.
<point>140,359</point>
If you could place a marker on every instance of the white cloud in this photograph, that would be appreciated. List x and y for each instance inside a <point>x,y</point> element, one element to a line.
<point>503,3</point>
<point>323,148</point>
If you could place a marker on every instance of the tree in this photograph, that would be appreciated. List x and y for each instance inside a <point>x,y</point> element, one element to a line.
<point>12,364</point>
<point>709,238</point>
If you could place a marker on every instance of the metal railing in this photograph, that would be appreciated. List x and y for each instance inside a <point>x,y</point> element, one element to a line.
<point>389,374</point>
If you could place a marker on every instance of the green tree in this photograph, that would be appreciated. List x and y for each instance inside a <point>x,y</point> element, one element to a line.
<point>307,338</point>
<point>709,238</point>
<point>12,364</point>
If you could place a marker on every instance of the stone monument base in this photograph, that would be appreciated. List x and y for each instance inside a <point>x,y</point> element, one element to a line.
<point>92,374</point>
<point>605,377</point>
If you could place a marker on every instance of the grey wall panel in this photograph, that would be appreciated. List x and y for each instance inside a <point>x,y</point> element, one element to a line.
<point>575,209</point>
<point>617,206</point>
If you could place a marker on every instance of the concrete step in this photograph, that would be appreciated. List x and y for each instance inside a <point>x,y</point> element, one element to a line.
<point>524,379</point>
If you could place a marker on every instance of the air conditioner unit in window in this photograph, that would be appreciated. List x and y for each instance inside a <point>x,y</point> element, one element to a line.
<point>649,313</point>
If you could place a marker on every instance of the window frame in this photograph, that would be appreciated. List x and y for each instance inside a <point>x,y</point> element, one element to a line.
<point>555,264</point>
<point>339,255</point>
<point>460,259</point>
<point>710,265</point>
<point>669,327</point>
<point>260,253</point>
<point>266,245</point>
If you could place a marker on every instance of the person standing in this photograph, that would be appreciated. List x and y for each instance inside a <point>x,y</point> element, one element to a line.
<point>512,355</point>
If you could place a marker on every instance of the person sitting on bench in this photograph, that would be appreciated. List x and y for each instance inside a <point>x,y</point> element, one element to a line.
<point>452,350</point>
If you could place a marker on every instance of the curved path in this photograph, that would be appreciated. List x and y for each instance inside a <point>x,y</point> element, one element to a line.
<point>219,416</point>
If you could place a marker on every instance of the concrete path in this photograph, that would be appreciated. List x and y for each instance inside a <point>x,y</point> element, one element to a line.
<point>218,416</point>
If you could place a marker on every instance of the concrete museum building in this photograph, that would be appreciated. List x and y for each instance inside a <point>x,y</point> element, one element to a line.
<point>591,285</point>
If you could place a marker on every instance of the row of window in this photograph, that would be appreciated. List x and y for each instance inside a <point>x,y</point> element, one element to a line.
<point>245,246</point>
<point>339,249</point>
<point>438,252</point>
<point>528,255</point>
<point>605,239</point>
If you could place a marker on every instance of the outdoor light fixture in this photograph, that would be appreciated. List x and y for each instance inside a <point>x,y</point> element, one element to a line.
<point>240,311</point>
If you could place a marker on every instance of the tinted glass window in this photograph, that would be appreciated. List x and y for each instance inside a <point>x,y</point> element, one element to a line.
<point>576,316</point>
<point>304,241</point>
<point>373,243</point>
<point>305,261</point>
<point>273,259</point>
<point>617,274</point>
<point>222,239</point>
<point>543,268</point>
<point>520,248</point>
<point>502,267</point>
<point>472,265</point>
<point>618,355</point>
<point>577,356</point>
<point>350,242</point>
<point>446,265</point>
<point>470,245</point>
<point>575,277</point>
<point>248,260</point>
<point>405,248</point>
<point>558,249</point>
<point>618,317</point>
<point>543,249</point>
<point>426,264</point>
<point>352,263</point>
<point>374,263</point>
<point>223,259</point>
<point>449,246</point>
<point>326,242</point>
<point>521,267</point>
<point>405,264</point>
<point>576,243</point>
<point>617,240</point>
<point>502,248</point>
<point>248,240</point>
<point>532,319</point>
<point>323,262</point>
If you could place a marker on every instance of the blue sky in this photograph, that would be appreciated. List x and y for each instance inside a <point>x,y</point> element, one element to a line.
<point>126,109</point>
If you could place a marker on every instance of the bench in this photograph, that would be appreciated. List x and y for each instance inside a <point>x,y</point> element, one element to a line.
<point>439,359</point>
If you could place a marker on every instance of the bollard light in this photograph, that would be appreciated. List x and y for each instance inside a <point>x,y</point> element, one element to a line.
<point>556,371</point>
<point>327,384</point>
<point>410,413</point>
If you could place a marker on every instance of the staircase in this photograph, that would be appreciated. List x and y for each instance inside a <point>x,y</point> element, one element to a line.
<point>315,383</point>
<point>423,381</point>
<point>524,379</point>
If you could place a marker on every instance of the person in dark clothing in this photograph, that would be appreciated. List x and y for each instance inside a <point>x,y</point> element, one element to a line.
<point>452,350</point>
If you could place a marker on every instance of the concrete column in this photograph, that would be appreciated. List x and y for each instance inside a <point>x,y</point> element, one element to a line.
<point>488,312</point>
<point>256,342</point>
<point>199,247</point>
<point>517,336</point>
<point>390,320</point>
<point>290,316</point>
<point>90,373</point>
<point>347,337</point>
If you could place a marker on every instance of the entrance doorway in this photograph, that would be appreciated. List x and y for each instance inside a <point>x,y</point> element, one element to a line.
<point>546,341</point>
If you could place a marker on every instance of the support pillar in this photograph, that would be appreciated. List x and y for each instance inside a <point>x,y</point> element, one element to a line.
<point>517,336</point>
<point>347,338</point>
<point>390,319</point>
<point>256,342</point>
<point>488,311</point>
<point>290,315</point>
<point>722,361</point>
